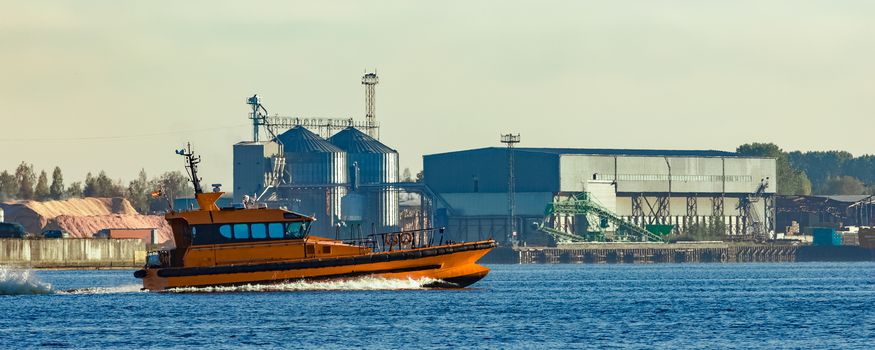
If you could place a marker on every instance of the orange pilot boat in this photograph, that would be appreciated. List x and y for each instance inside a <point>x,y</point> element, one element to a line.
<point>258,245</point>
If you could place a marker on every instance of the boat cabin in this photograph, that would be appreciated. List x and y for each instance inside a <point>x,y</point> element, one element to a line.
<point>213,236</point>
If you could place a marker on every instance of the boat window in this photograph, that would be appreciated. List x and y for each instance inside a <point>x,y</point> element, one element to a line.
<point>241,231</point>
<point>194,234</point>
<point>275,230</point>
<point>259,231</point>
<point>295,230</point>
<point>225,231</point>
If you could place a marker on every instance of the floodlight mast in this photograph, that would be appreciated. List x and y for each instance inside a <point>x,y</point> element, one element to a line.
<point>510,140</point>
<point>370,81</point>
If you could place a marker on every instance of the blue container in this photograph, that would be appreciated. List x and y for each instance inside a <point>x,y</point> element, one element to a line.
<point>824,236</point>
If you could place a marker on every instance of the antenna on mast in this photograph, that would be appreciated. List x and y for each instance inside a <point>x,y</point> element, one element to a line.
<point>191,162</point>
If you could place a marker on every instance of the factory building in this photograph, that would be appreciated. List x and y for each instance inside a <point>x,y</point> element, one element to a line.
<point>645,187</point>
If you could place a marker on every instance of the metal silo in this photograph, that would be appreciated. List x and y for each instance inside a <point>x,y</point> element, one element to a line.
<point>377,166</point>
<point>315,178</point>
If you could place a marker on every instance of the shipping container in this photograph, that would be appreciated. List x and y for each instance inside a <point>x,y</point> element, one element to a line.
<point>147,235</point>
<point>866,237</point>
<point>850,238</point>
<point>825,236</point>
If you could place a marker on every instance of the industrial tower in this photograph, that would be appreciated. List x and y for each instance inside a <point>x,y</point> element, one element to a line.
<point>370,81</point>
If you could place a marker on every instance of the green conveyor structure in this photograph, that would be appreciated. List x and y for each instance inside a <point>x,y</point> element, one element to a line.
<point>580,204</point>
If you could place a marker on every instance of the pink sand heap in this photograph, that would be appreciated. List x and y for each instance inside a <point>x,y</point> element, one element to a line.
<point>83,217</point>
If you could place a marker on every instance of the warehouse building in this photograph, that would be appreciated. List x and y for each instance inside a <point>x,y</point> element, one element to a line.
<point>684,189</point>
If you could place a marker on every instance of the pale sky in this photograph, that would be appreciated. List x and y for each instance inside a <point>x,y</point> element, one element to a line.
<point>118,85</point>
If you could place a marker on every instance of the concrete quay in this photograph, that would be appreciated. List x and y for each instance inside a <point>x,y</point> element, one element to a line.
<point>72,253</point>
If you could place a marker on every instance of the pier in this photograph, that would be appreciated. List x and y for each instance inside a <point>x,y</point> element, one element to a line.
<point>638,253</point>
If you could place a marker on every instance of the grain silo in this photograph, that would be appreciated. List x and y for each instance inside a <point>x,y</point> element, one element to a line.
<point>377,169</point>
<point>315,178</point>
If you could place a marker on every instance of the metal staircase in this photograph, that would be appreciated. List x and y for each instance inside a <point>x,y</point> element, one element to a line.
<point>754,227</point>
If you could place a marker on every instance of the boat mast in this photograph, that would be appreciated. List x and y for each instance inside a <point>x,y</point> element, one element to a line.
<point>191,162</point>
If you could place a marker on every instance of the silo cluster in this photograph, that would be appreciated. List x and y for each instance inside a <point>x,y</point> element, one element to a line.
<point>315,177</point>
<point>345,182</point>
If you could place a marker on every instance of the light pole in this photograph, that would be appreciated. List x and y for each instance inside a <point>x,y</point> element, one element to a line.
<point>510,140</point>
<point>668,204</point>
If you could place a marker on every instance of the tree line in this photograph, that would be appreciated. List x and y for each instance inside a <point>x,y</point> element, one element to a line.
<point>817,172</point>
<point>25,184</point>
<point>798,173</point>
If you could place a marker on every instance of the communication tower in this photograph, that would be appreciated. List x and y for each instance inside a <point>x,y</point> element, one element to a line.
<point>370,81</point>
<point>510,140</point>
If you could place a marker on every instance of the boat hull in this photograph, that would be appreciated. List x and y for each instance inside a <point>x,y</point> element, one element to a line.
<point>450,266</point>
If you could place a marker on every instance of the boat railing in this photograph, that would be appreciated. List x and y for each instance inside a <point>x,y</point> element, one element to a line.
<point>400,240</point>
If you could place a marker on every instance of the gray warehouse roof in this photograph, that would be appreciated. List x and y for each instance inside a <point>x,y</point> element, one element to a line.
<point>625,152</point>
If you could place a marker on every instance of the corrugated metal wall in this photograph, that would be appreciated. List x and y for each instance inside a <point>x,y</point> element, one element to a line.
<point>486,170</point>
<point>474,182</point>
<point>250,164</point>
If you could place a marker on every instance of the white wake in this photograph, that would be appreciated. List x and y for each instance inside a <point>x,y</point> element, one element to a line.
<point>354,284</point>
<point>19,282</point>
<point>130,288</point>
<point>16,281</point>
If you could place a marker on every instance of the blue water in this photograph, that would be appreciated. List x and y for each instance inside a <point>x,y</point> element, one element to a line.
<point>744,306</point>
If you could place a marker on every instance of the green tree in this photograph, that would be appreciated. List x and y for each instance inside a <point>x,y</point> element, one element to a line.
<point>74,191</point>
<point>26,179</point>
<point>174,184</point>
<point>102,186</point>
<point>8,186</point>
<point>790,180</point>
<point>862,167</point>
<point>820,165</point>
<point>89,186</point>
<point>139,192</point>
<point>56,190</point>
<point>41,192</point>
<point>714,230</point>
<point>843,185</point>
<point>406,176</point>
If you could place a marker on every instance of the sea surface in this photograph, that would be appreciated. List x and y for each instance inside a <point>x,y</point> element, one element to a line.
<point>665,306</point>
